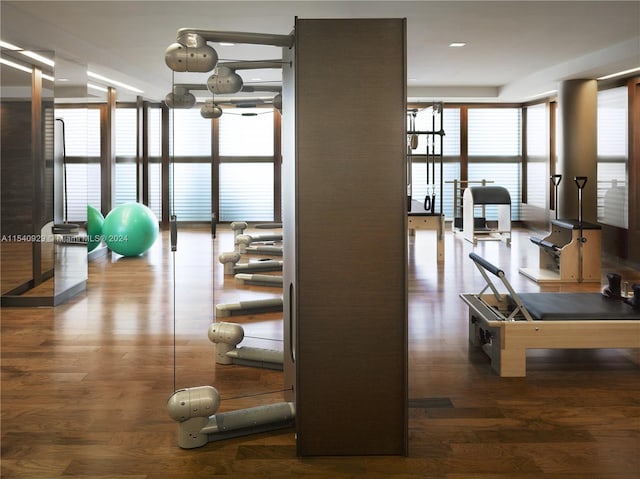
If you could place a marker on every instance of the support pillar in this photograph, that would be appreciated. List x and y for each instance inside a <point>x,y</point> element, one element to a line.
<point>577,147</point>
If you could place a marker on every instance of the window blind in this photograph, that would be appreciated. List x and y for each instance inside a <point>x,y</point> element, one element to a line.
<point>190,191</point>
<point>494,132</point>
<point>537,155</point>
<point>82,147</point>
<point>494,148</point>
<point>246,132</point>
<point>613,184</point>
<point>451,126</point>
<point>246,192</point>
<point>190,133</point>
<point>506,175</point>
<point>126,133</point>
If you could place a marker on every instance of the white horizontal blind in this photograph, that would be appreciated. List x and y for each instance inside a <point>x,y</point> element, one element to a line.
<point>451,126</point>
<point>83,188</point>
<point>126,133</point>
<point>125,183</point>
<point>506,175</point>
<point>82,131</point>
<point>189,180</point>
<point>82,147</point>
<point>246,132</point>
<point>613,184</point>
<point>494,132</point>
<point>154,132</point>
<point>190,191</point>
<point>155,188</point>
<point>126,138</point>
<point>154,151</point>
<point>190,133</point>
<point>494,148</point>
<point>537,155</point>
<point>246,191</point>
<point>420,188</point>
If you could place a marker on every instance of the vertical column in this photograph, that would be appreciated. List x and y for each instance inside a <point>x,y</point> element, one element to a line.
<point>108,155</point>
<point>350,237</point>
<point>577,147</point>
<point>38,171</point>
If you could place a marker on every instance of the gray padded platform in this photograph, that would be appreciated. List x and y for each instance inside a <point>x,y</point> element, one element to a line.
<point>490,195</point>
<point>575,225</point>
<point>576,307</point>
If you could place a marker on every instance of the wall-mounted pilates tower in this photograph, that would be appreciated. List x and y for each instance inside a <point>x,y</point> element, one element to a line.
<point>345,320</point>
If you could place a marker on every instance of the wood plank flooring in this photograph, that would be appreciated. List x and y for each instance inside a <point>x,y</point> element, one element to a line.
<point>85,384</point>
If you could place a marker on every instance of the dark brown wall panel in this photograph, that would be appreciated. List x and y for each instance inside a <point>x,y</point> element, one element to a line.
<point>351,236</point>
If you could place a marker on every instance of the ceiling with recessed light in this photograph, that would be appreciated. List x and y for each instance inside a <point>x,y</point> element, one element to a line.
<point>513,50</point>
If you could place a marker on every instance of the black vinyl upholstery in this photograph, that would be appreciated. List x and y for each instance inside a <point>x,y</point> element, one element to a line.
<point>576,307</point>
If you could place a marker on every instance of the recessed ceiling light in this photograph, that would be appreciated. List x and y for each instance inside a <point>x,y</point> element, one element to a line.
<point>457,44</point>
<point>226,44</point>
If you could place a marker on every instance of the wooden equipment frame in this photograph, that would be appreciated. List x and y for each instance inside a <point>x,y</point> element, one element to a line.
<point>505,330</point>
<point>419,219</point>
<point>571,252</point>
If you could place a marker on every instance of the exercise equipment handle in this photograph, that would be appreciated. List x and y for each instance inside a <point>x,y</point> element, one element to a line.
<point>581,181</point>
<point>174,233</point>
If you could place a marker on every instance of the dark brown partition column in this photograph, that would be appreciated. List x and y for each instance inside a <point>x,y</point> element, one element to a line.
<point>344,202</point>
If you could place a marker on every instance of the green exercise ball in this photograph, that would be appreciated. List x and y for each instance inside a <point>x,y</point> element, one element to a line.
<point>94,227</point>
<point>130,229</point>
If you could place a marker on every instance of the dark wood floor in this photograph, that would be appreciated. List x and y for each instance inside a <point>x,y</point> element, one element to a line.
<point>84,385</point>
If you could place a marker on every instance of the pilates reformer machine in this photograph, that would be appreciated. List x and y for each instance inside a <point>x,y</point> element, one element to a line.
<point>423,215</point>
<point>506,325</point>
<point>571,252</point>
<point>473,228</point>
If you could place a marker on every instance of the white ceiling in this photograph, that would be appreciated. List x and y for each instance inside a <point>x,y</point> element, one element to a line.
<point>515,49</point>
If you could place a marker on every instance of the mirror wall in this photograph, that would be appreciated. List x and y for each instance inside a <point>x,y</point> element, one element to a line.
<point>43,258</point>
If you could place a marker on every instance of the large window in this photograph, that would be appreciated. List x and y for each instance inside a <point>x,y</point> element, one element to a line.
<point>126,134</point>
<point>190,191</point>
<point>246,138</point>
<point>81,180</point>
<point>494,148</point>
<point>537,155</point>
<point>613,198</point>
<point>154,151</point>
<point>190,175</point>
<point>246,132</point>
<point>246,191</point>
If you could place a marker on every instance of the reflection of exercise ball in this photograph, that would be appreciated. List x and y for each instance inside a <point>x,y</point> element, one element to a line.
<point>130,229</point>
<point>94,227</point>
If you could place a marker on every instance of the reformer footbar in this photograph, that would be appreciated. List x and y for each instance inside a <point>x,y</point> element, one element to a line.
<point>484,266</point>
